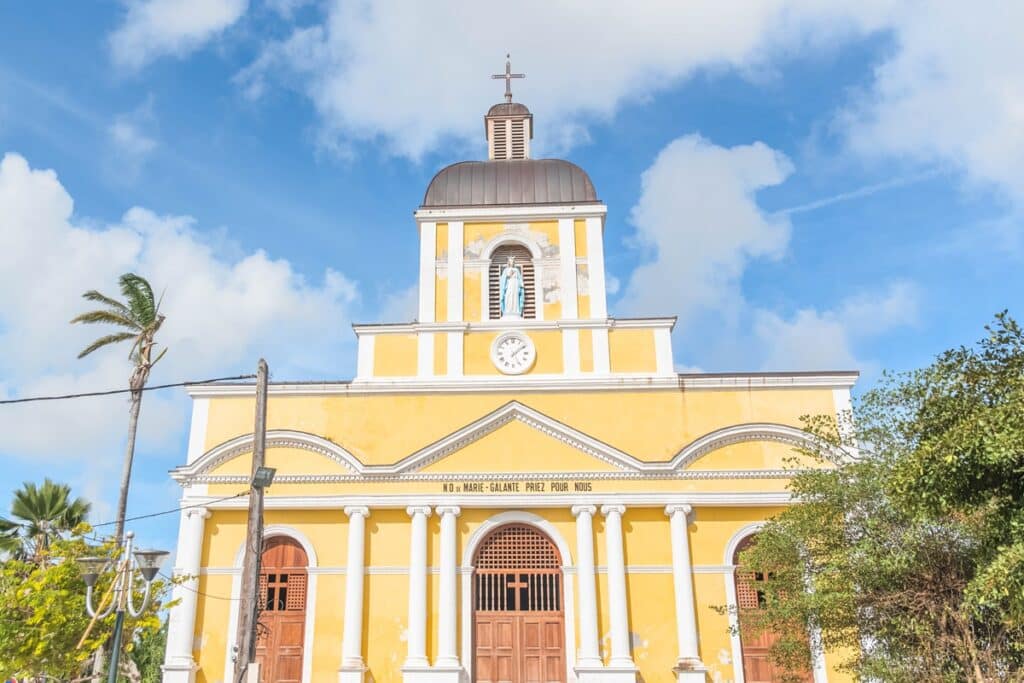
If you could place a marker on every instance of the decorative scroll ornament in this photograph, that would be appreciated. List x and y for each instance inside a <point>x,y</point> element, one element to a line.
<point>513,353</point>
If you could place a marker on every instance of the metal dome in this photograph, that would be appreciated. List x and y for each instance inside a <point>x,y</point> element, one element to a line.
<point>510,183</point>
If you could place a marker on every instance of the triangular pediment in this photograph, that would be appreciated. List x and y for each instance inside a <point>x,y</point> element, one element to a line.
<point>517,438</point>
<point>518,447</point>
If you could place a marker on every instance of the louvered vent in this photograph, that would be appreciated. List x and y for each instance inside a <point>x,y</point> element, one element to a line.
<point>518,139</point>
<point>524,260</point>
<point>499,140</point>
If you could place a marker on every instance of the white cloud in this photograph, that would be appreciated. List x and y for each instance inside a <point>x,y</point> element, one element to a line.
<point>131,142</point>
<point>221,315</point>
<point>698,213</point>
<point>414,75</point>
<point>952,91</point>
<point>157,28</point>
<point>826,340</point>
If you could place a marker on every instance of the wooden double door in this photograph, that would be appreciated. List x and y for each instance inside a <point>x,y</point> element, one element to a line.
<point>519,615</point>
<point>281,629</point>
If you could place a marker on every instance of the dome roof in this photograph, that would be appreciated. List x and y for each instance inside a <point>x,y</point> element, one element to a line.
<point>508,109</point>
<point>508,183</point>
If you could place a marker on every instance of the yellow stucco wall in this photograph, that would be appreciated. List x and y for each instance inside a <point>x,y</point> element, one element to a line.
<point>394,355</point>
<point>477,353</point>
<point>631,350</point>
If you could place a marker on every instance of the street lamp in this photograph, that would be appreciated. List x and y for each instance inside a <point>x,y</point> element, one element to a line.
<point>147,563</point>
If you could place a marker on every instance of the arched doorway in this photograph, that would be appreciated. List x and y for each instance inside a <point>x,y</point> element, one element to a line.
<point>757,664</point>
<point>280,631</point>
<point>518,608</point>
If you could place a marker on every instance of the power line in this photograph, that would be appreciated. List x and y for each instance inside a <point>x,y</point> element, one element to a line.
<point>199,592</point>
<point>124,391</point>
<point>173,510</point>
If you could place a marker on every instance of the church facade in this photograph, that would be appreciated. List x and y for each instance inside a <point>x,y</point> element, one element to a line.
<point>513,488</point>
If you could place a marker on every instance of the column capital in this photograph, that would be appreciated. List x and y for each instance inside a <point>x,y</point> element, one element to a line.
<point>448,510</point>
<point>360,510</point>
<point>687,510</point>
<point>590,510</point>
<point>414,510</point>
<point>613,509</point>
<point>201,512</point>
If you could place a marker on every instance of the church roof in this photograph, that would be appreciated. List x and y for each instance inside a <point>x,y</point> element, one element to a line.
<point>508,109</point>
<point>510,182</point>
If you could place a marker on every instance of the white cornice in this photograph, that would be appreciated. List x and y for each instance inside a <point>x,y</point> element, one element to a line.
<point>492,325</point>
<point>409,468</point>
<point>530,383</point>
<point>401,501</point>
<point>499,213</point>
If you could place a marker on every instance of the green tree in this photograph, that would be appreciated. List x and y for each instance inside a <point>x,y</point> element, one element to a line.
<point>44,616</point>
<point>909,557</point>
<point>147,654</point>
<point>40,514</point>
<point>139,319</point>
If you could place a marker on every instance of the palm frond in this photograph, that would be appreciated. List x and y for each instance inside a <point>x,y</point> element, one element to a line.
<point>140,298</point>
<point>93,295</point>
<point>158,357</point>
<point>109,317</point>
<point>104,341</point>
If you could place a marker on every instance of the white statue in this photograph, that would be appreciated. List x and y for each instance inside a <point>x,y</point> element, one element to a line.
<point>512,293</point>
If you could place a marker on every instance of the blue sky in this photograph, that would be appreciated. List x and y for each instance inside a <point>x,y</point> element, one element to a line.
<point>805,187</point>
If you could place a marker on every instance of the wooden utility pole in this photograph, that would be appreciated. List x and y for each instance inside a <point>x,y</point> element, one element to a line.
<point>245,642</point>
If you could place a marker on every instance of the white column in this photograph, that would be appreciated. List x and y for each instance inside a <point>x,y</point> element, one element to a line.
<point>352,665</point>
<point>595,270</point>
<point>618,612</point>
<point>417,634</point>
<point>179,667</point>
<point>567,267</point>
<point>428,270</point>
<point>589,655</point>
<point>455,274</point>
<point>447,656</point>
<point>682,579</point>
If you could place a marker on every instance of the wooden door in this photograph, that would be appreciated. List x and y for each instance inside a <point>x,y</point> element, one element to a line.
<point>282,622</point>
<point>519,618</point>
<point>757,664</point>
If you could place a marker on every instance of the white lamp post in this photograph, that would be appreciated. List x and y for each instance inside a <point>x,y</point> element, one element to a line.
<point>147,563</point>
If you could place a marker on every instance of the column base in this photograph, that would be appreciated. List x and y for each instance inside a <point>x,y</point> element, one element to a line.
<point>180,671</point>
<point>606,674</point>
<point>352,673</point>
<point>433,674</point>
<point>690,671</point>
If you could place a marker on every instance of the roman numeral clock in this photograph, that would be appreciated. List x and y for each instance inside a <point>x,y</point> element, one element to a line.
<point>513,353</point>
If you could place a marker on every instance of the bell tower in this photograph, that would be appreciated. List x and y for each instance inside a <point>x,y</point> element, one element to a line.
<point>508,125</point>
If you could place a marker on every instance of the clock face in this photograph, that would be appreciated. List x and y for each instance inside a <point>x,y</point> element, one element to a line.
<point>513,353</point>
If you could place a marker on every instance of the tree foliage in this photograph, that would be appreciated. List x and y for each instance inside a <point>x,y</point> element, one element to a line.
<point>909,559</point>
<point>39,514</point>
<point>44,615</point>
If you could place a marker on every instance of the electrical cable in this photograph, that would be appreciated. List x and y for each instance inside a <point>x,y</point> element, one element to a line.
<point>173,510</point>
<point>111,392</point>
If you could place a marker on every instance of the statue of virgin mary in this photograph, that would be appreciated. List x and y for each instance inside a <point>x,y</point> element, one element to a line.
<point>512,293</point>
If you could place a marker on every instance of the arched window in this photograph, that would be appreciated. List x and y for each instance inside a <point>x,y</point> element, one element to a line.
<point>524,260</point>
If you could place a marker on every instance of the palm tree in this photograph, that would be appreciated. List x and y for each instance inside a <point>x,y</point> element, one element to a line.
<point>140,318</point>
<point>40,514</point>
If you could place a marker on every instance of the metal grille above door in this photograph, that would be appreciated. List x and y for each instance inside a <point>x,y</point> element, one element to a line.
<point>523,259</point>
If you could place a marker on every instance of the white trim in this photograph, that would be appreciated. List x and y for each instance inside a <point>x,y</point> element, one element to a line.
<point>411,464</point>
<point>571,352</point>
<point>485,290</point>
<point>521,238</point>
<point>469,550</point>
<point>493,213</point>
<point>197,428</point>
<point>389,501</point>
<point>730,597</point>
<point>454,366</point>
<point>425,354</point>
<point>364,357</point>
<point>567,293</point>
<point>398,570</point>
<point>663,351</point>
<point>428,271</point>
<point>602,361</point>
<point>270,531</point>
<point>620,381</point>
<point>498,324</point>
<point>455,274</point>
<point>595,267</point>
